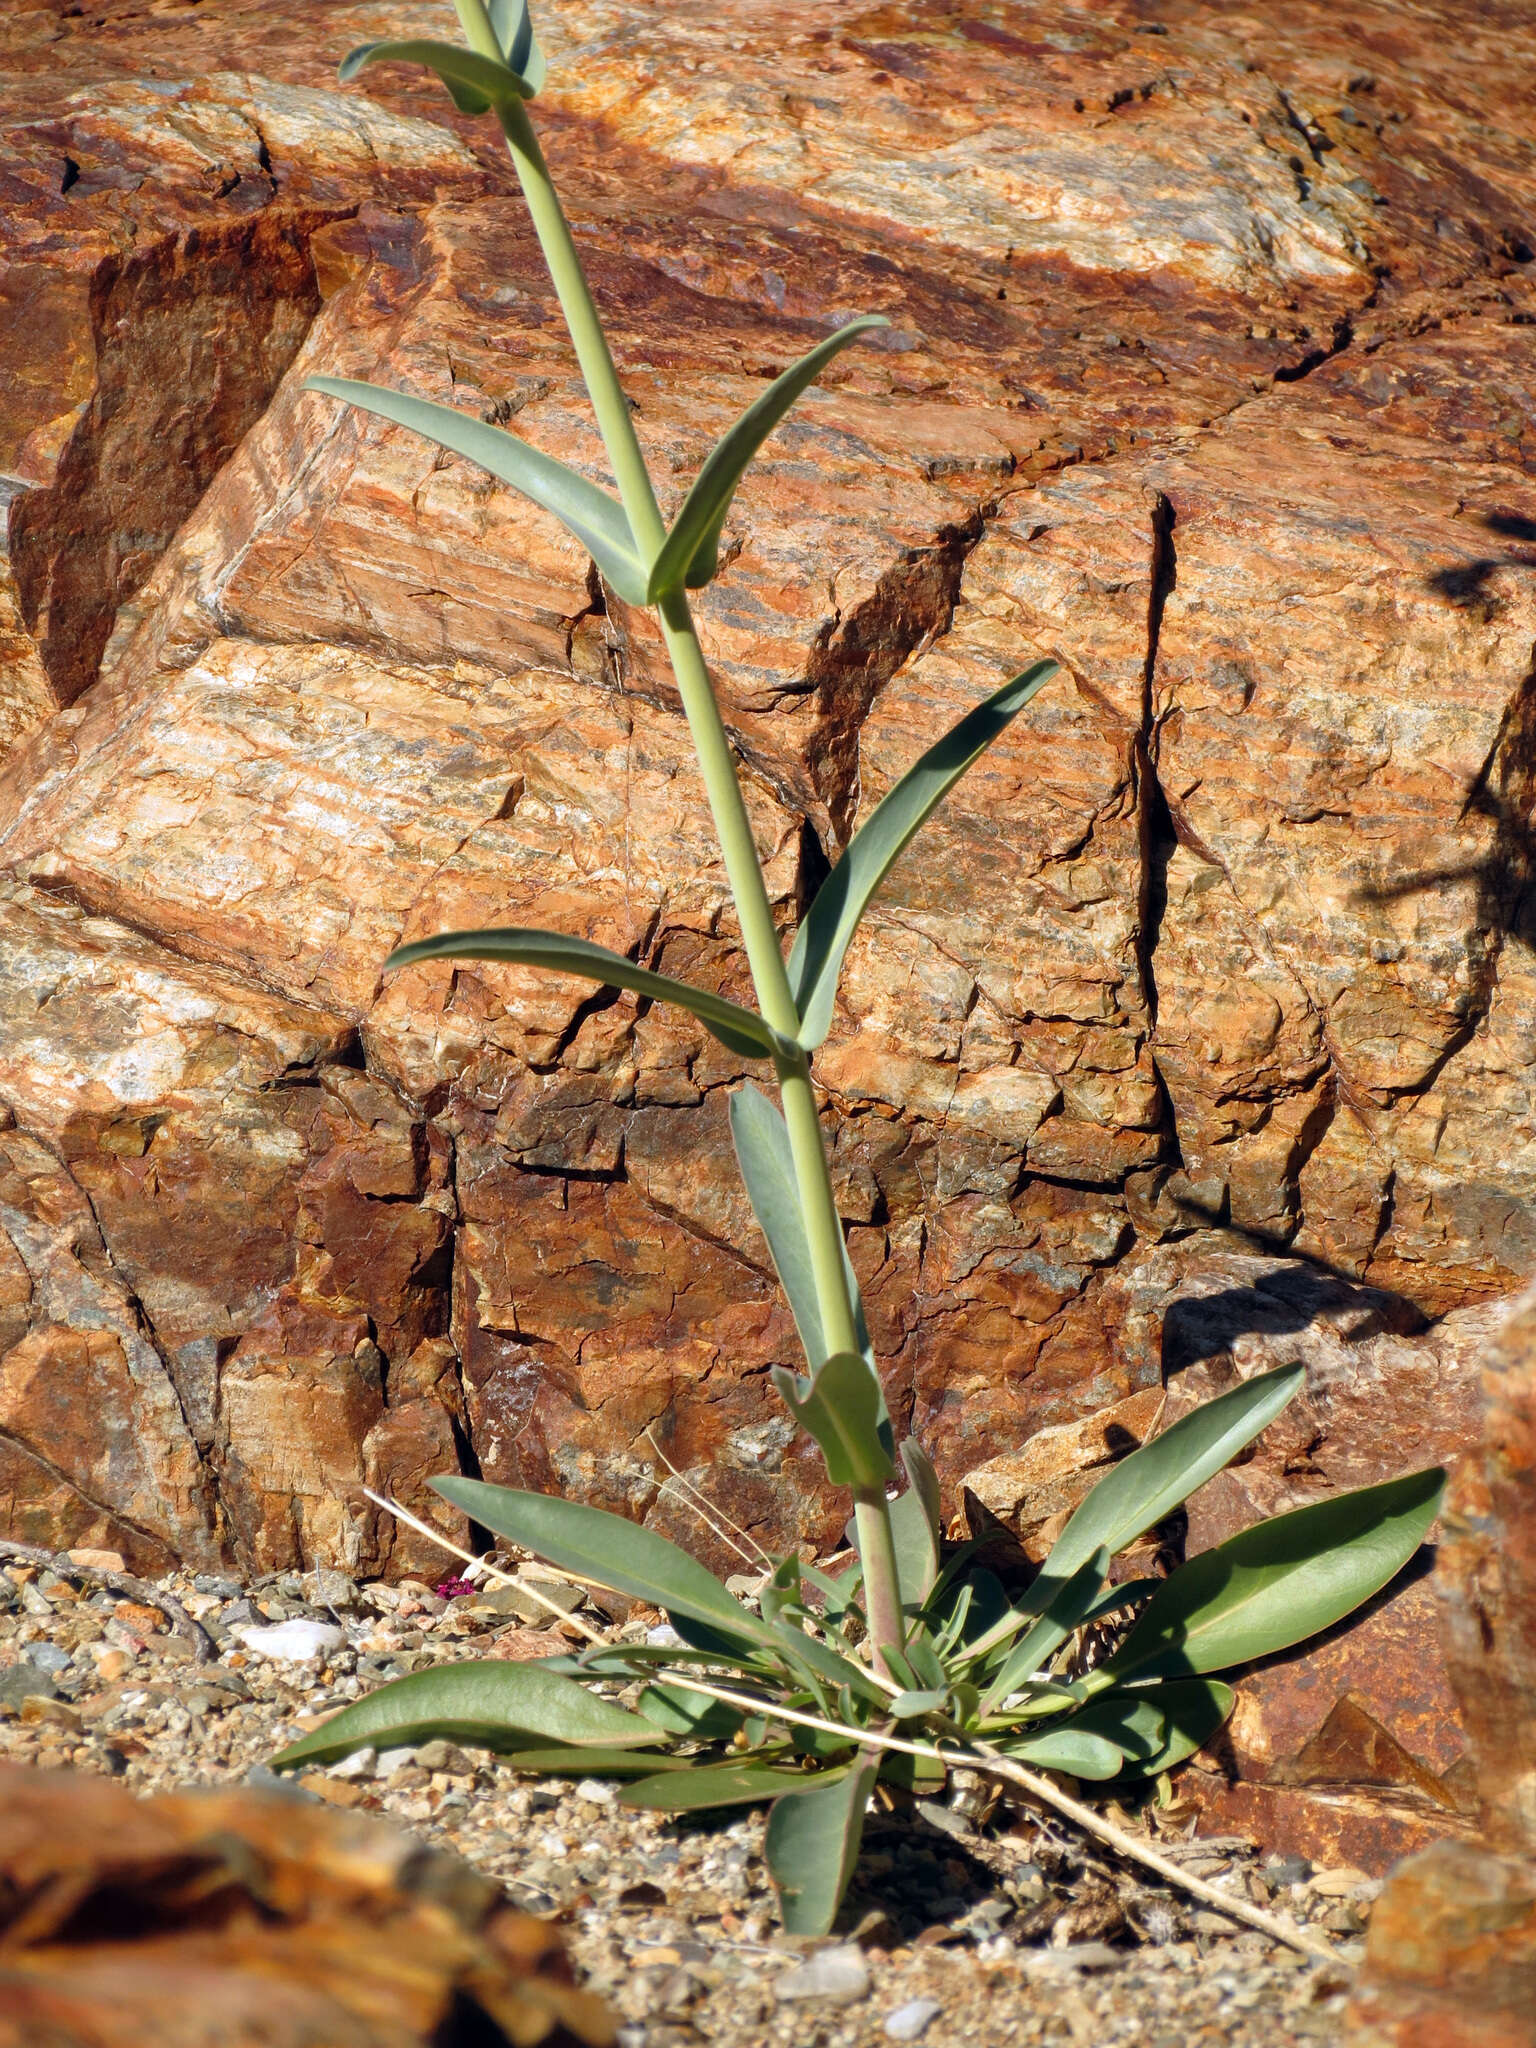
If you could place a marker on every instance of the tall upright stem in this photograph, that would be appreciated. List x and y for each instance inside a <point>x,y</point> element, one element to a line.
<point>722,785</point>
<point>571,289</point>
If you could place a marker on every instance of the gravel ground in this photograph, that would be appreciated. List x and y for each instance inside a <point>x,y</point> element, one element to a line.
<point>1009,1931</point>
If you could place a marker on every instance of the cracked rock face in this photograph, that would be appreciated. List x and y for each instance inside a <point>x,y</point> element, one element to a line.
<point>1208,372</point>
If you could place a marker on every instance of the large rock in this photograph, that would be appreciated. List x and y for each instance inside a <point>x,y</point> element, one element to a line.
<point>1451,1961</point>
<point>156,275</point>
<point>1352,1748</point>
<point>225,1919</point>
<point>1206,371</point>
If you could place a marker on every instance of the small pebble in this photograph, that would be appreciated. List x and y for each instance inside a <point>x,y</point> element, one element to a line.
<point>23,1682</point>
<point>97,1560</point>
<point>911,2021</point>
<point>1077,1955</point>
<point>362,1763</point>
<point>294,1642</point>
<point>835,1976</point>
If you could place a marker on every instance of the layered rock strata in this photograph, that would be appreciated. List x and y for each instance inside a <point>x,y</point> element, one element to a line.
<point>1206,1004</point>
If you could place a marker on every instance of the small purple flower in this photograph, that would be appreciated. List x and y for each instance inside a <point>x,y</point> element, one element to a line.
<point>452,1589</point>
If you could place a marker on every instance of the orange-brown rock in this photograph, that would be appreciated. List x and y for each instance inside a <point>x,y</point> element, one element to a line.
<point>1490,1585</point>
<point>239,1917</point>
<point>1451,1954</point>
<point>1207,371</point>
<point>1352,1748</point>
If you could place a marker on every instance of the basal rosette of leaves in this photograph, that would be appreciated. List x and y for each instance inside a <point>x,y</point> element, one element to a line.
<point>913,1659</point>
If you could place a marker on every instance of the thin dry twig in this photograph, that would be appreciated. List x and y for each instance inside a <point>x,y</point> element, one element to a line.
<point>204,1649</point>
<point>707,1511</point>
<point>976,1755</point>
<point>981,1756</point>
<point>492,1571</point>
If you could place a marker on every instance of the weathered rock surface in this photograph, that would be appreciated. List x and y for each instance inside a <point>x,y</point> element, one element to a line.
<point>1451,1961</point>
<point>240,1917</point>
<point>1199,1030</point>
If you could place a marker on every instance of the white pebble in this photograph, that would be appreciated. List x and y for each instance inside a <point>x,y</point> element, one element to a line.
<point>293,1642</point>
<point>911,2021</point>
<point>554,1845</point>
<point>596,1792</point>
<point>392,1760</point>
<point>837,1976</point>
<point>362,1763</point>
<point>664,1636</point>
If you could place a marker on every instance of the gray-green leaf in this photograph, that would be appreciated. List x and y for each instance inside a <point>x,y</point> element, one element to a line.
<point>491,1704</point>
<point>512,27</point>
<point>812,1843</point>
<point>816,958</point>
<point>605,1548</point>
<point>841,1406</point>
<point>1278,1582</point>
<point>682,1712</point>
<point>1077,1750</point>
<point>691,552</point>
<point>1065,1605</point>
<point>1138,1492</point>
<point>915,1526</point>
<point>768,1168</point>
<point>596,519</point>
<point>743,1031</point>
<point>702,1786</point>
<point>767,1164</point>
<point>911,1706</point>
<point>565,1761</point>
<point>475,83</point>
<point>1158,1728</point>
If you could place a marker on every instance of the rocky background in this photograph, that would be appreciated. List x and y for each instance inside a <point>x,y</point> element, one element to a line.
<point>1198,1032</point>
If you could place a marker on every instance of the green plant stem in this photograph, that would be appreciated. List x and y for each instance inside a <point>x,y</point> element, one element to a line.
<point>722,786</point>
<point>813,1176</point>
<point>575,296</point>
<point>882,1588</point>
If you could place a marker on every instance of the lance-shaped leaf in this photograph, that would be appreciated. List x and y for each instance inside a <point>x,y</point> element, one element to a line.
<point>691,551</point>
<point>1066,1604</point>
<point>742,1030</point>
<point>915,1526</point>
<point>767,1163</point>
<point>682,1712</point>
<point>816,958</point>
<point>565,1761</point>
<point>702,1786</point>
<point>841,1406</point>
<point>596,519</point>
<point>1159,1728</point>
<point>767,1166</point>
<point>494,1705</point>
<point>812,1843</point>
<point>608,1550</point>
<point>911,1706</point>
<point>1278,1582</point>
<point>1151,1482</point>
<point>512,27</point>
<point>475,83</point>
<point>1078,1750</point>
